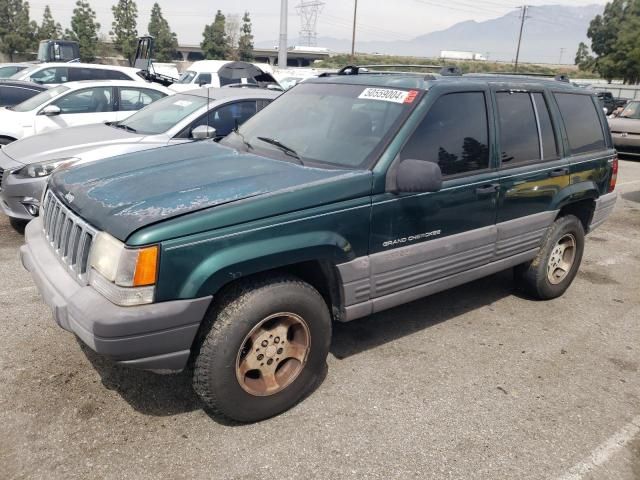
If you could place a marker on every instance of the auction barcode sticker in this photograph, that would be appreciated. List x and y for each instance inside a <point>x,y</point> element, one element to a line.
<point>388,95</point>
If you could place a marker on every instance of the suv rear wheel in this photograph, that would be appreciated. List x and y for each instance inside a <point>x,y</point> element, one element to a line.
<point>550,274</point>
<point>266,349</point>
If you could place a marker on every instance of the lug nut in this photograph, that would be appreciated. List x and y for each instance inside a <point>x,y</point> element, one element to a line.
<point>270,361</point>
<point>265,343</point>
<point>280,351</point>
<point>260,357</point>
<point>276,340</point>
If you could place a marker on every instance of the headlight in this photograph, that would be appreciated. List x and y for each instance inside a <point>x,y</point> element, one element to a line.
<point>43,169</point>
<point>125,276</point>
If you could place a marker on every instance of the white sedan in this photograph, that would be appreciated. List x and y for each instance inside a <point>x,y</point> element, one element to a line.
<point>74,104</point>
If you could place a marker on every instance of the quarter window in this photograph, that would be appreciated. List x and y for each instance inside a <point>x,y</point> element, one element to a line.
<point>454,134</point>
<point>582,122</point>
<point>548,136</point>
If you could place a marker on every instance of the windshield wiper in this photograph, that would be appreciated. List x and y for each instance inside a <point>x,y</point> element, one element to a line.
<point>125,127</point>
<point>286,150</point>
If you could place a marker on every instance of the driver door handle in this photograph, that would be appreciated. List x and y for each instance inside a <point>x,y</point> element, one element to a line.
<point>487,189</point>
<point>560,172</point>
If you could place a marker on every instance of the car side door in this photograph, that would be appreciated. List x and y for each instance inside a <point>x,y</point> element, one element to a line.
<point>533,168</point>
<point>223,118</point>
<point>79,107</point>
<point>421,238</point>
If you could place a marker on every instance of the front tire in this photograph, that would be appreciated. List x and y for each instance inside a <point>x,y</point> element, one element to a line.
<point>551,273</point>
<point>18,224</point>
<point>265,350</point>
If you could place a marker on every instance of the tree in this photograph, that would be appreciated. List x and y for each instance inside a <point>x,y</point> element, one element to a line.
<point>245,43</point>
<point>84,30</point>
<point>615,40</point>
<point>124,27</point>
<point>232,29</point>
<point>215,44</point>
<point>49,28</point>
<point>166,42</point>
<point>584,59</point>
<point>17,32</point>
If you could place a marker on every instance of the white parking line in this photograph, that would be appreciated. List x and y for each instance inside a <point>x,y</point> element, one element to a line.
<point>605,451</point>
<point>633,182</point>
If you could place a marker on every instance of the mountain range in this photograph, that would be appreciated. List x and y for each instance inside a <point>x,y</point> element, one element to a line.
<point>552,34</point>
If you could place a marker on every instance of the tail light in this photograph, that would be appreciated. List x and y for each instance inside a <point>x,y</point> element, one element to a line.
<point>614,174</point>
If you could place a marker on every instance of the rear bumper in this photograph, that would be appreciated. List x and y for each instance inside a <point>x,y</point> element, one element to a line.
<point>604,208</point>
<point>150,337</point>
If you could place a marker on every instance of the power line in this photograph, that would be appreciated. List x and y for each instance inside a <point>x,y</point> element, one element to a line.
<point>309,11</point>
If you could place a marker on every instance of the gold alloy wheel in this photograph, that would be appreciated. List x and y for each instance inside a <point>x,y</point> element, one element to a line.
<point>273,354</point>
<point>561,260</point>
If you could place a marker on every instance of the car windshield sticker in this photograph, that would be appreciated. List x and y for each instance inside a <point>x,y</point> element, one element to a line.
<point>182,103</point>
<point>387,95</point>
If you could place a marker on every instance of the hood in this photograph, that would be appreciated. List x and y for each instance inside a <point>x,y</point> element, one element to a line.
<point>69,142</point>
<point>625,125</point>
<point>123,194</point>
<point>185,87</point>
<point>12,123</point>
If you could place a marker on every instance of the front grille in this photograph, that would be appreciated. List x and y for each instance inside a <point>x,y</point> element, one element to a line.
<point>69,236</point>
<point>1,176</point>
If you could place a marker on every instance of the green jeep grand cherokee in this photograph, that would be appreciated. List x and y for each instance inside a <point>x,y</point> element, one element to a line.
<point>348,195</point>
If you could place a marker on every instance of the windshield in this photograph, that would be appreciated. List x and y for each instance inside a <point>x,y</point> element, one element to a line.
<point>338,125</point>
<point>187,77</point>
<point>38,100</point>
<point>631,111</point>
<point>25,73</point>
<point>163,114</point>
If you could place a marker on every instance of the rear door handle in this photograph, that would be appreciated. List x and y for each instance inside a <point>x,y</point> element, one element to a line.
<point>560,172</point>
<point>487,189</point>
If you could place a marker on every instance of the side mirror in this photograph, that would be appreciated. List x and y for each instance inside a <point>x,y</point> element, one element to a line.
<point>203,132</point>
<point>51,111</point>
<point>418,176</point>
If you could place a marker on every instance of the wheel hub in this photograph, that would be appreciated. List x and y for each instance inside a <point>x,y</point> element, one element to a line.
<point>561,259</point>
<point>273,354</point>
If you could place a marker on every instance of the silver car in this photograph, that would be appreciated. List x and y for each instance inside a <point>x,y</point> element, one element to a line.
<point>625,130</point>
<point>201,114</point>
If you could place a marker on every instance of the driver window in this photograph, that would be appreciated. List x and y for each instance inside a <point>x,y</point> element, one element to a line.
<point>204,79</point>
<point>91,100</point>
<point>51,75</point>
<point>225,118</point>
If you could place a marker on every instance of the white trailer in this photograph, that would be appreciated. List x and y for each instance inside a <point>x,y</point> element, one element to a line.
<point>460,55</point>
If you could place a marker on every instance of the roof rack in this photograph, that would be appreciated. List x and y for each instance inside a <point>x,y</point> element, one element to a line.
<point>374,70</point>
<point>557,78</point>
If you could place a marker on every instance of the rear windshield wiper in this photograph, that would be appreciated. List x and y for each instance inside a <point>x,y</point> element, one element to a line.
<point>286,150</point>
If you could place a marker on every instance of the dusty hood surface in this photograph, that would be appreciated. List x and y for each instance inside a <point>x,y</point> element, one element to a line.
<point>69,142</point>
<point>123,194</point>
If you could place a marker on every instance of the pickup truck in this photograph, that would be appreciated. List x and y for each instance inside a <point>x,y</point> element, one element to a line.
<point>348,195</point>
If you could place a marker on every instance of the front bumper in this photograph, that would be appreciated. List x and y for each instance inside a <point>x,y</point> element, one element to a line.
<point>150,337</point>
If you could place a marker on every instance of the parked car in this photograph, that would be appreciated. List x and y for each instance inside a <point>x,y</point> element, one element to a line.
<point>76,103</point>
<point>625,129</point>
<point>218,73</point>
<point>607,101</point>
<point>57,73</point>
<point>9,69</point>
<point>206,113</point>
<point>348,195</point>
<point>13,92</point>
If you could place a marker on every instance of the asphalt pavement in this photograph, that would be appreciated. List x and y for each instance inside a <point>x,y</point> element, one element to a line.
<point>473,383</point>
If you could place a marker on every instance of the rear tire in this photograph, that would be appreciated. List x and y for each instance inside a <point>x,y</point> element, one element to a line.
<point>551,273</point>
<point>265,349</point>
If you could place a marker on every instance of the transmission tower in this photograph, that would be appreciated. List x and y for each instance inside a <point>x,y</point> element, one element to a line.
<point>309,10</point>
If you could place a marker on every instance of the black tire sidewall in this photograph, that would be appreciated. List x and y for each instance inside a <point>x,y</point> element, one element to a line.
<point>254,306</point>
<point>563,226</point>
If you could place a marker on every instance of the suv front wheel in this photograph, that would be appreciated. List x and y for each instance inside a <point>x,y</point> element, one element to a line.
<point>550,274</point>
<point>265,350</point>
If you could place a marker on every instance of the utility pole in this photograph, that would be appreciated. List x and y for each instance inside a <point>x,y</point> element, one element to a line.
<point>562,49</point>
<point>282,48</point>
<point>353,37</point>
<point>522,19</point>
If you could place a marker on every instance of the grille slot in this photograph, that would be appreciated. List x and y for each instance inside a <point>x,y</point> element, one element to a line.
<point>69,236</point>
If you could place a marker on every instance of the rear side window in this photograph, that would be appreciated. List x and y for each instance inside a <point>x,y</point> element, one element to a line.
<point>114,75</point>
<point>10,96</point>
<point>519,141</point>
<point>581,122</point>
<point>454,134</point>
